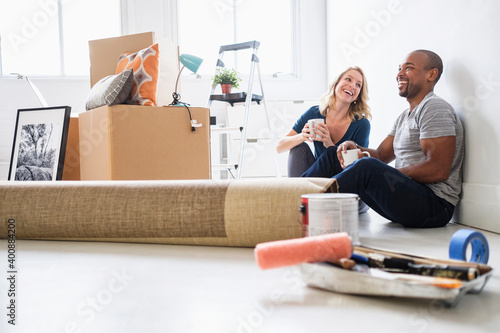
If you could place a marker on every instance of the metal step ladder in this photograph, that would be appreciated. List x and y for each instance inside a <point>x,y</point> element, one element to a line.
<point>246,97</point>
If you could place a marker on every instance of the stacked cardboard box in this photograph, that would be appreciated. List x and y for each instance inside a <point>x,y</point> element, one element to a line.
<point>132,142</point>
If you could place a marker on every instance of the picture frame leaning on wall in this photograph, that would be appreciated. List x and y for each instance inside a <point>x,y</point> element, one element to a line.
<point>39,144</point>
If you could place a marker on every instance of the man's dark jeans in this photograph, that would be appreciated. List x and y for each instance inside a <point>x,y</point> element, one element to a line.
<point>386,190</point>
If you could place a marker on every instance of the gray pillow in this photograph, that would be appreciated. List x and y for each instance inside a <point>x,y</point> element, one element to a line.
<point>111,90</point>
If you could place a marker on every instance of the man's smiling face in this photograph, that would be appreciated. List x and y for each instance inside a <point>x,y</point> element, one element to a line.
<point>412,75</point>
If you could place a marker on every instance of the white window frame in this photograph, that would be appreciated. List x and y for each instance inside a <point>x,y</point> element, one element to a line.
<point>171,11</point>
<point>62,71</point>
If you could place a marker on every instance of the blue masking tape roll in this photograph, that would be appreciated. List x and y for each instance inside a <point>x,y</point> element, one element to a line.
<point>460,242</point>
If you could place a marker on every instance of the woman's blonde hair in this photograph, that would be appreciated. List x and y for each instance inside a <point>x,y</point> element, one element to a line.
<point>357,108</point>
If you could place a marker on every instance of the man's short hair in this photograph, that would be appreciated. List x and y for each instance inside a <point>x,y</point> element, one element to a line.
<point>433,61</point>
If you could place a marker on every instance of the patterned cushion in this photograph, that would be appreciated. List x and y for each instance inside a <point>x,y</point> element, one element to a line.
<point>111,90</point>
<point>145,64</point>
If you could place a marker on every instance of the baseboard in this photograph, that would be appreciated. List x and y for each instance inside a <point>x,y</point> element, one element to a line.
<point>480,206</point>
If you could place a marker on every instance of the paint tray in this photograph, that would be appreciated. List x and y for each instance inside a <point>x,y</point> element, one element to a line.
<point>333,278</point>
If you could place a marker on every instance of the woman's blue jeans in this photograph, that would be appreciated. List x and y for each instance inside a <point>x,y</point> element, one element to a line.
<point>386,190</point>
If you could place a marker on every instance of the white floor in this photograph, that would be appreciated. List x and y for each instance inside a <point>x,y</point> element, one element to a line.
<point>112,287</point>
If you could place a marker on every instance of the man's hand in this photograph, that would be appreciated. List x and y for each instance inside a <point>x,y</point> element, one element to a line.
<point>343,147</point>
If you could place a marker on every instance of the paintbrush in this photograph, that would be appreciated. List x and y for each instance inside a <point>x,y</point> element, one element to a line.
<point>441,282</point>
<point>364,251</point>
<point>408,266</point>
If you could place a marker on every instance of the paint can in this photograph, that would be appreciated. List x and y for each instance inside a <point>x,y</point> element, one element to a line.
<point>325,213</point>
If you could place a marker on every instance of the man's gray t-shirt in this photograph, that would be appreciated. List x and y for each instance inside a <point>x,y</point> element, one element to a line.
<point>432,118</point>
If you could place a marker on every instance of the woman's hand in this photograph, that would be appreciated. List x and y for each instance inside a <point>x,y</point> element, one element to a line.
<point>291,140</point>
<point>324,135</point>
<point>306,133</point>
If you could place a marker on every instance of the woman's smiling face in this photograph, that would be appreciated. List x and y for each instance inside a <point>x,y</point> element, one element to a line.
<point>349,86</point>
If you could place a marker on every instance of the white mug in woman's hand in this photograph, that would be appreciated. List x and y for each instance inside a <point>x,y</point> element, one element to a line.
<point>351,155</point>
<point>313,123</point>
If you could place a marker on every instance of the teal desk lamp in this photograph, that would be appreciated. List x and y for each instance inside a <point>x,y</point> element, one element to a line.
<point>192,63</point>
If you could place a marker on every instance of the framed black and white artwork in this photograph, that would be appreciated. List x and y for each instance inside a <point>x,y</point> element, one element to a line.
<point>39,144</point>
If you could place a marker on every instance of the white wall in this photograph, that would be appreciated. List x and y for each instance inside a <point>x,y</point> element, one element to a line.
<point>377,34</point>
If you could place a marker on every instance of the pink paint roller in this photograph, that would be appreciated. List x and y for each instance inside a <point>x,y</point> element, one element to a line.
<point>328,247</point>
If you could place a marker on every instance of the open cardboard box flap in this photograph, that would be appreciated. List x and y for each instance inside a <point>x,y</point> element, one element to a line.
<point>104,54</point>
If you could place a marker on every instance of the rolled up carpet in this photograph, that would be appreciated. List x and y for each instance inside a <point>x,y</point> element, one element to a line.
<point>193,212</point>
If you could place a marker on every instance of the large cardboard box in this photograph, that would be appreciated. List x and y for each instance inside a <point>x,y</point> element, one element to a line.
<point>132,142</point>
<point>71,170</point>
<point>129,142</point>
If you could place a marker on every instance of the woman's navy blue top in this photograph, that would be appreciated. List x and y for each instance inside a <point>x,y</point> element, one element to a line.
<point>358,131</point>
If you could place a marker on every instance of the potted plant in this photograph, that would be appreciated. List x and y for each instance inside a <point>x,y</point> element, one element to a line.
<point>227,78</point>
